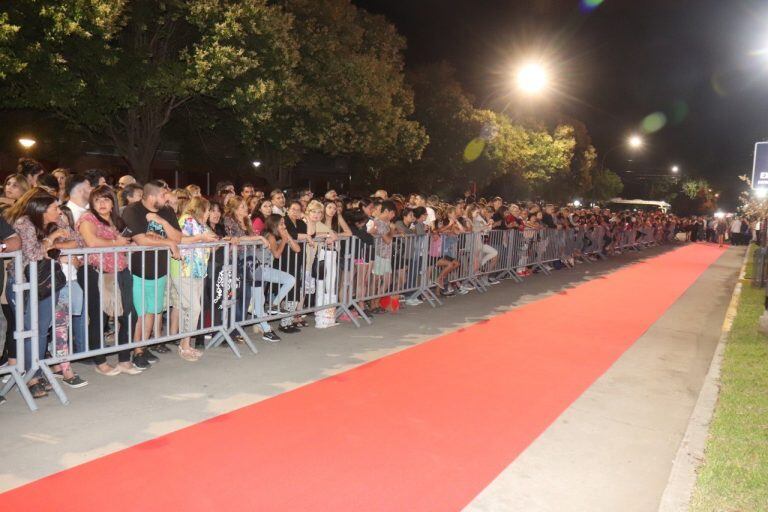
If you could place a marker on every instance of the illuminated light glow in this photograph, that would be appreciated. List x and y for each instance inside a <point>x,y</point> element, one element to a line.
<point>474,149</point>
<point>719,215</point>
<point>675,169</point>
<point>654,122</point>
<point>27,143</point>
<point>576,203</point>
<point>532,78</point>
<point>590,5</point>
<point>256,163</point>
<point>761,193</point>
<point>635,141</point>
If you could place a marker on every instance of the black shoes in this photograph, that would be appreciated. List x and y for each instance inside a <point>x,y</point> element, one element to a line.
<point>270,337</point>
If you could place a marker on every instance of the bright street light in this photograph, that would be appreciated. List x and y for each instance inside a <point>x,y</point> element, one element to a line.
<point>675,169</point>
<point>27,143</point>
<point>635,141</point>
<point>532,78</point>
<point>256,163</point>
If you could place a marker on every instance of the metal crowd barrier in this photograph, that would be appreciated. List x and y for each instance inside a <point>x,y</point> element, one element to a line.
<point>379,270</point>
<point>222,289</point>
<point>101,310</point>
<point>20,295</point>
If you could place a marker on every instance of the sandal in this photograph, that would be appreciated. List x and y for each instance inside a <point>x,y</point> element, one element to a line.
<point>42,381</point>
<point>187,354</point>
<point>38,391</point>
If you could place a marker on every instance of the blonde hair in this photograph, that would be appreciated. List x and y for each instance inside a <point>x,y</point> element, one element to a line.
<point>16,210</point>
<point>182,198</point>
<point>196,208</point>
<point>21,181</point>
<point>231,208</point>
<point>315,205</point>
<point>193,191</point>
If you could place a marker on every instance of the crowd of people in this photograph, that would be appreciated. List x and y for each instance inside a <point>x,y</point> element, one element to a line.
<point>139,292</point>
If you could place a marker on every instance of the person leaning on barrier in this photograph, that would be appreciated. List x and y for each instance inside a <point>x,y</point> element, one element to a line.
<point>261,211</point>
<point>321,265</point>
<point>149,223</point>
<point>297,228</point>
<point>188,274</point>
<point>35,219</point>
<point>283,248</point>
<point>110,288</point>
<point>239,230</point>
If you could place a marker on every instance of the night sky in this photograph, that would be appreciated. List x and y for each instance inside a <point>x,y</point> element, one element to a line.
<point>696,61</point>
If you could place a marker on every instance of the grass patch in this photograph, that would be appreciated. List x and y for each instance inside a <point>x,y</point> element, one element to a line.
<point>734,475</point>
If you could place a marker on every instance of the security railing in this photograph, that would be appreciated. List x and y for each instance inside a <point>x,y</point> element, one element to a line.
<point>104,301</point>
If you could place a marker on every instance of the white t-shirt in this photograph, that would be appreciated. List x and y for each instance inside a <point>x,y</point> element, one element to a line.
<point>431,217</point>
<point>76,210</point>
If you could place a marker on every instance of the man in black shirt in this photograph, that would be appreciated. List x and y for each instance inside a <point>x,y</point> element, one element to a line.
<point>150,224</point>
<point>498,214</point>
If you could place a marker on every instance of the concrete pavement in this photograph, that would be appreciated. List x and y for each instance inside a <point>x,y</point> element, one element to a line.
<point>613,448</point>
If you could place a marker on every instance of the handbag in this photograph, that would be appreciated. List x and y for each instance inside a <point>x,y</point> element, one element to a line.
<point>45,279</point>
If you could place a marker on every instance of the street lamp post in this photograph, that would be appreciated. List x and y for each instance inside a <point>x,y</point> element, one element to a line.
<point>634,142</point>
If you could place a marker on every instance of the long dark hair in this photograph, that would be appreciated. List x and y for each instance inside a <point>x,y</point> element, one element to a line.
<point>105,192</point>
<point>272,224</point>
<point>35,209</point>
<point>256,212</point>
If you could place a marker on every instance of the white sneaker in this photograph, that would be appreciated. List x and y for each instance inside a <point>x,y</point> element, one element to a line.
<point>413,302</point>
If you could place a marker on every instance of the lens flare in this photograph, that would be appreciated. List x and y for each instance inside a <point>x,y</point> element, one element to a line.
<point>532,78</point>
<point>590,5</point>
<point>653,122</point>
<point>678,112</point>
<point>474,149</point>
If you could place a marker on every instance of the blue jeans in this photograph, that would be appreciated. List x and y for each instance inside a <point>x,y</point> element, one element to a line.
<point>45,318</point>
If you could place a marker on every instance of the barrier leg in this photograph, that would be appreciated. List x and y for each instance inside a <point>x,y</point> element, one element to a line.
<point>54,383</point>
<point>223,336</point>
<point>247,339</point>
<point>17,379</point>
<point>362,314</point>
<point>431,297</point>
<point>344,310</point>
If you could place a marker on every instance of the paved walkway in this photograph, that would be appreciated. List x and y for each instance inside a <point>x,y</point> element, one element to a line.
<point>612,449</point>
<point>114,413</point>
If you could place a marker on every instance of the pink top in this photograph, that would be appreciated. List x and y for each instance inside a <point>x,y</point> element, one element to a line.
<point>257,225</point>
<point>107,260</point>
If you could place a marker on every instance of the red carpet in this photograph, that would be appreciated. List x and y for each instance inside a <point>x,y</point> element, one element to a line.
<point>424,429</point>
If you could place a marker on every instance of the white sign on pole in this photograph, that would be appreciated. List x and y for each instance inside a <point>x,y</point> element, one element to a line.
<point>760,166</point>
